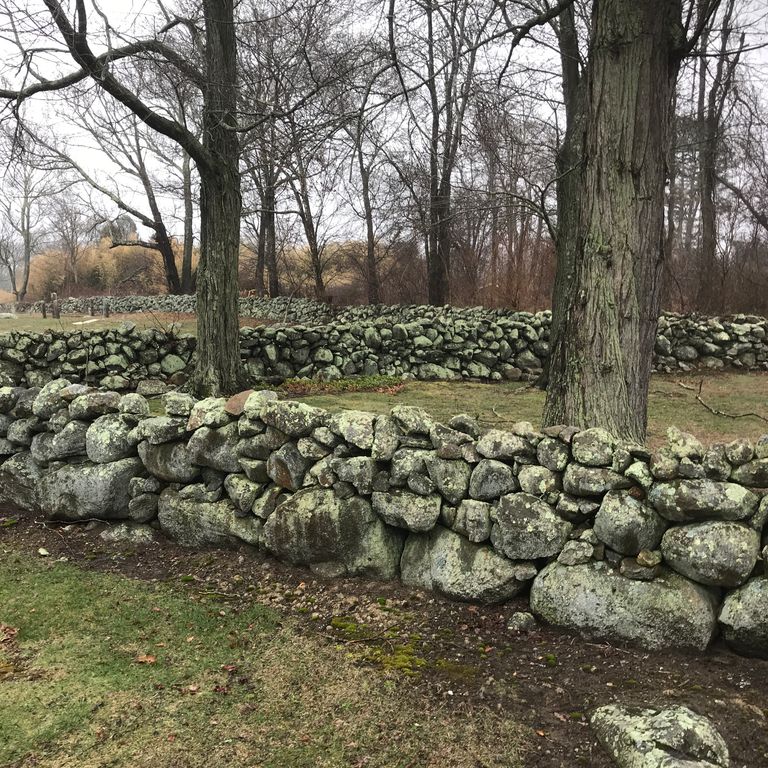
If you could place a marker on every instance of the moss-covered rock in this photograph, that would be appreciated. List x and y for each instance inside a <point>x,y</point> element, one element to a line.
<point>450,564</point>
<point>314,527</point>
<point>667,612</point>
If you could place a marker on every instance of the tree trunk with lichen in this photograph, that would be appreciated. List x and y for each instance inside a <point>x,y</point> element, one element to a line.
<point>601,356</point>
<point>218,369</point>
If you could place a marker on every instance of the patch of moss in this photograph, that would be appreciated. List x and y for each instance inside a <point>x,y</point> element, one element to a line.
<point>455,670</point>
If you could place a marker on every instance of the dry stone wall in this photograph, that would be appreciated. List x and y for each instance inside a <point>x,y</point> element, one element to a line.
<point>417,342</point>
<point>664,548</point>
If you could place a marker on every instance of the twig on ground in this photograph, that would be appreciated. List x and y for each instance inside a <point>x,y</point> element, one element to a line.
<point>716,411</point>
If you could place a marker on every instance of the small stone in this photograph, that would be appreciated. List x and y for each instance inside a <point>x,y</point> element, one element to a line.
<point>522,621</point>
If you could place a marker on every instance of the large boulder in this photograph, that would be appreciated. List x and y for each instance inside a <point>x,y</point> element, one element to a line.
<point>668,612</point>
<point>526,528</point>
<point>744,618</point>
<point>628,525</point>
<point>84,491</point>
<point>198,523</point>
<point>688,501</point>
<point>675,737</point>
<point>717,552</point>
<point>446,562</point>
<point>338,536</point>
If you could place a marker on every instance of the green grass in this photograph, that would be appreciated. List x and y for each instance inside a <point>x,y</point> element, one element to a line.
<point>100,670</point>
<point>71,323</point>
<point>501,404</point>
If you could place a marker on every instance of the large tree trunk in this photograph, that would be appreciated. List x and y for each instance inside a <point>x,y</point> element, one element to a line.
<point>218,370</point>
<point>601,360</point>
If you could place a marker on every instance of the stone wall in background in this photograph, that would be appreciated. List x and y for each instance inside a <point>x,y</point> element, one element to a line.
<point>663,548</point>
<point>412,341</point>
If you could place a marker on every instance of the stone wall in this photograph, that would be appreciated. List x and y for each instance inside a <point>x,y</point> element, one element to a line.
<point>664,548</point>
<point>417,342</point>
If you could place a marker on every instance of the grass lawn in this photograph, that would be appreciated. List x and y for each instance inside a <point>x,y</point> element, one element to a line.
<point>670,404</point>
<point>101,670</point>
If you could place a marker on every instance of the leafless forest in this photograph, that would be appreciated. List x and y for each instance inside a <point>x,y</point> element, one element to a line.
<point>398,152</point>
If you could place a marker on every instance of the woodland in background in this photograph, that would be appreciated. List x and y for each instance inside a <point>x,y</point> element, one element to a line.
<point>407,162</point>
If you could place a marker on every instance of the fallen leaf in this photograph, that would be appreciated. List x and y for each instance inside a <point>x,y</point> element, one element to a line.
<point>145,658</point>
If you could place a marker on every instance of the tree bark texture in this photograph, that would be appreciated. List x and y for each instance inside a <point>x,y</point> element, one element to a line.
<point>601,358</point>
<point>218,370</point>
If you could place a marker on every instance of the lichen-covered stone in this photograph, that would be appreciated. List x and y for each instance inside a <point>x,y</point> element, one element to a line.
<point>48,400</point>
<point>135,534</point>
<point>451,478</point>
<point>198,524</point>
<point>683,445</point>
<point>171,462</point>
<point>739,451</point>
<point>84,491</point>
<point>744,618</point>
<point>287,467</point>
<point>553,454</point>
<point>692,500</point>
<point>491,479</point>
<point>291,417</point>
<point>314,527</point>
<point>215,448</point>
<point>69,442</point>
<point>241,491</point>
<point>385,439</point>
<point>673,737</point>
<point>527,528</point>
<point>355,427</point>
<point>94,404</point>
<point>576,553</point>
<point>19,481</point>
<point>412,420</point>
<point>752,473</point>
<point>668,612</point>
<point>716,552</point>
<point>497,444</point>
<point>162,429</point>
<point>628,525</point>
<point>593,447</point>
<point>447,563</point>
<point>592,481</point>
<point>538,481</point>
<point>473,520</point>
<point>357,470</point>
<point>407,510</point>
<point>209,412</point>
<point>109,438</point>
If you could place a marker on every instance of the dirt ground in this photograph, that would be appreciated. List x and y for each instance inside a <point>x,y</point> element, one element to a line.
<point>459,654</point>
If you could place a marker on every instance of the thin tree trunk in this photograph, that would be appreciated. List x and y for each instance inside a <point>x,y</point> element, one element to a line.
<point>601,360</point>
<point>187,283</point>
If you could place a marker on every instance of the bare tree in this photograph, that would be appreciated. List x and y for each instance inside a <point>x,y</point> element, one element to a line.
<point>218,365</point>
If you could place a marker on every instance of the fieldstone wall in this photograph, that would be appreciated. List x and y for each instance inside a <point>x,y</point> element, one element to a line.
<point>416,342</point>
<point>664,548</point>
